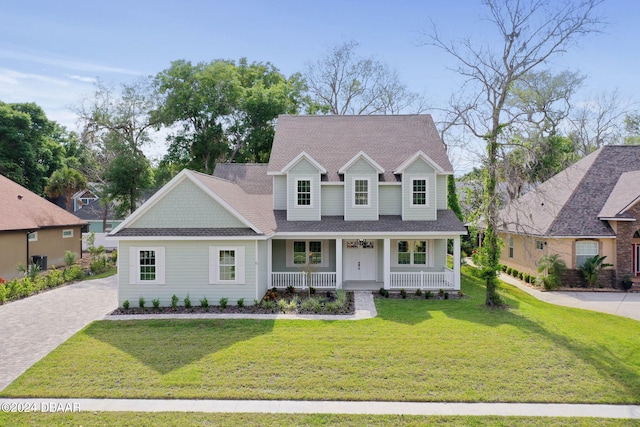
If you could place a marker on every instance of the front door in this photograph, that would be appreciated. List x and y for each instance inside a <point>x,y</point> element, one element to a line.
<point>359,260</point>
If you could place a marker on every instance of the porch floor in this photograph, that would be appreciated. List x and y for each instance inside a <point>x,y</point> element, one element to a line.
<point>361,286</point>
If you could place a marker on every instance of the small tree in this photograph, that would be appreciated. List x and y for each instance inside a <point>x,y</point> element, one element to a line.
<point>552,266</point>
<point>592,268</point>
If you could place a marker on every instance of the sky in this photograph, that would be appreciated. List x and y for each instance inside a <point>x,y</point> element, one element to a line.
<point>52,52</point>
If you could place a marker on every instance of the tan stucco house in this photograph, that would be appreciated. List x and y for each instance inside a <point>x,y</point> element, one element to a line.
<point>590,208</point>
<point>33,229</point>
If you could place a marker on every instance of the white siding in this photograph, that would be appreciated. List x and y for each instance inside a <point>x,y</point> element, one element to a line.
<point>360,170</point>
<point>187,206</point>
<point>332,200</point>
<point>303,170</point>
<point>390,200</point>
<point>279,192</point>
<point>186,272</point>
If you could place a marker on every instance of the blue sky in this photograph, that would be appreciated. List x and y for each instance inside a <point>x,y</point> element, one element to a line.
<point>52,51</point>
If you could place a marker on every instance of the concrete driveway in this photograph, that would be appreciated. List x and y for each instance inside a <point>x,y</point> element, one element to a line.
<point>34,326</point>
<point>619,303</point>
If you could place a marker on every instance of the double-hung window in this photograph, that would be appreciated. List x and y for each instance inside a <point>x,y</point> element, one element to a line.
<point>585,249</point>
<point>360,192</point>
<point>303,192</point>
<point>303,253</point>
<point>412,252</point>
<point>146,265</point>
<point>226,265</point>
<point>419,194</point>
<point>510,246</point>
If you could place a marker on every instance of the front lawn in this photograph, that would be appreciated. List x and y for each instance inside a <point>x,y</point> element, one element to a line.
<point>415,350</point>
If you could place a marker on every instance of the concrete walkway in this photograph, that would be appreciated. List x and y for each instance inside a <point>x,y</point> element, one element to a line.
<point>619,303</point>
<point>324,407</point>
<point>34,326</point>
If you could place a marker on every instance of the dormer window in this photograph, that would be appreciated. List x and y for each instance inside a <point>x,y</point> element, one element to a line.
<point>361,192</point>
<point>419,192</point>
<point>303,192</point>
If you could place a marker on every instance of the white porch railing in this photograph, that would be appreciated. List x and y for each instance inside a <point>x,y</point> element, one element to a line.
<point>422,280</point>
<point>303,280</point>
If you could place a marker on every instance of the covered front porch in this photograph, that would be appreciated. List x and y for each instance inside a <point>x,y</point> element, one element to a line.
<point>392,263</point>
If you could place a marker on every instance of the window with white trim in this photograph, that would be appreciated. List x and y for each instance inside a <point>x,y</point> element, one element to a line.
<point>146,265</point>
<point>361,192</point>
<point>226,265</point>
<point>301,253</point>
<point>33,237</point>
<point>413,252</point>
<point>539,245</point>
<point>510,246</point>
<point>66,234</point>
<point>303,192</point>
<point>419,195</point>
<point>586,249</point>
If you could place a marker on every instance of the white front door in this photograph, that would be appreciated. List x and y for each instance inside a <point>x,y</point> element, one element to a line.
<point>359,260</point>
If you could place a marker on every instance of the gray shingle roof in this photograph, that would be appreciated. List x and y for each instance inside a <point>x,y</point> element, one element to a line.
<point>93,211</point>
<point>185,232</point>
<point>447,222</point>
<point>623,195</point>
<point>251,177</point>
<point>334,140</point>
<point>569,203</point>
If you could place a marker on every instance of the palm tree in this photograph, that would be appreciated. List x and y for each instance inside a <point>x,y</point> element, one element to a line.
<point>592,267</point>
<point>553,266</point>
<point>65,182</point>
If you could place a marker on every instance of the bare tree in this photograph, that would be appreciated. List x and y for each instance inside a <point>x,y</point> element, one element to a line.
<point>531,31</point>
<point>342,83</point>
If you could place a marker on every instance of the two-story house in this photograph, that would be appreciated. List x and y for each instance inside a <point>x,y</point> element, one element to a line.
<point>354,202</point>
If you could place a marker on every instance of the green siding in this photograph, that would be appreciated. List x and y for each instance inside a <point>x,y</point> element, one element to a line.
<point>418,169</point>
<point>279,257</point>
<point>187,206</point>
<point>390,200</point>
<point>441,191</point>
<point>361,169</point>
<point>280,192</point>
<point>332,200</point>
<point>303,169</point>
<point>186,272</point>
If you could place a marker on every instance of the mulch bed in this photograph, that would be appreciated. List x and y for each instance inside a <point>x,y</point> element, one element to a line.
<point>347,309</point>
<point>435,295</point>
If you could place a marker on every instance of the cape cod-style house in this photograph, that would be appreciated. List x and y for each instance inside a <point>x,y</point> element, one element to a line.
<point>354,202</point>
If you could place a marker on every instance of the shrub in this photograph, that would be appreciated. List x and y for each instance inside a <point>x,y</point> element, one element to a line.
<point>174,302</point>
<point>312,290</point>
<point>552,267</point>
<point>224,302</point>
<point>240,302</point>
<point>515,273</point>
<point>403,293</point>
<point>509,270</point>
<point>291,289</point>
<point>74,273</point>
<point>332,306</point>
<point>441,292</point>
<point>503,268</point>
<point>418,292</point>
<point>98,265</point>
<point>70,258</point>
<point>428,295</point>
<point>125,304</point>
<point>255,302</point>
<point>187,302</point>
<point>114,256</point>
<point>156,303</point>
<point>381,291</point>
<point>282,305</point>
<point>269,305</point>
<point>446,295</point>
<point>204,302</point>
<point>3,293</point>
<point>55,278</point>
<point>141,302</point>
<point>386,293</point>
<point>271,295</point>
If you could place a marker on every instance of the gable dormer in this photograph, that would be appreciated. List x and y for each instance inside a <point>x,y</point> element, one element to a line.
<point>361,190</point>
<point>303,188</point>
<point>420,185</point>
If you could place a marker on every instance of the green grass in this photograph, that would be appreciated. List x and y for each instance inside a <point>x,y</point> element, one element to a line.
<point>415,350</point>
<point>98,419</point>
<point>109,272</point>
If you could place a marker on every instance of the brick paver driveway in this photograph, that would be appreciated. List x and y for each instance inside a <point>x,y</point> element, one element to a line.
<point>34,326</point>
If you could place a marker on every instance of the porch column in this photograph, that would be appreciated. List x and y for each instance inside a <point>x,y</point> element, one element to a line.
<point>338,263</point>
<point>386,263</point>
<point>456,263</point>
<point>269,263</point>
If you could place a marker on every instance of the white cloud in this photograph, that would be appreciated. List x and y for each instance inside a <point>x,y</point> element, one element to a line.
<point>13,77</point>
<point>82,78</point>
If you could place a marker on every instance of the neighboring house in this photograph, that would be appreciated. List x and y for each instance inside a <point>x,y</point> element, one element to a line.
<point>94,213</point>
<point>345,202</point>
<point>591,208</point>
<point>84,197</point>
<point>33,229</point>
